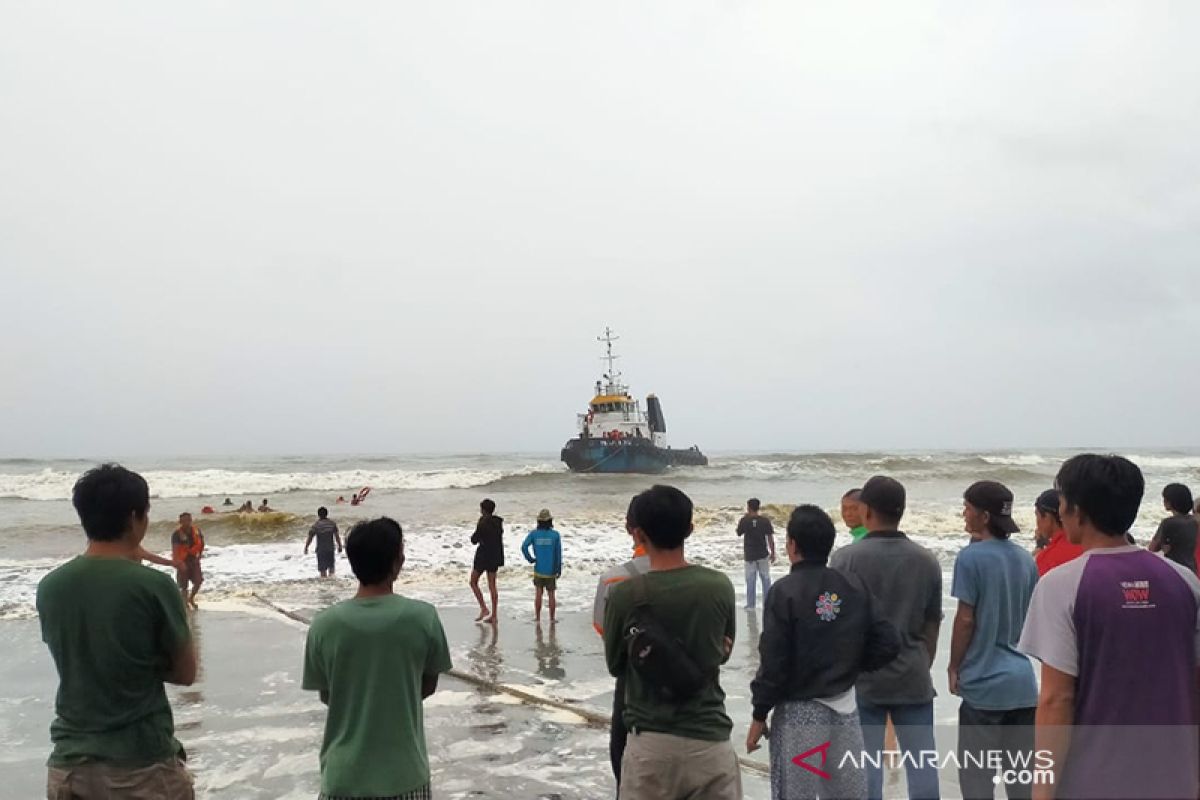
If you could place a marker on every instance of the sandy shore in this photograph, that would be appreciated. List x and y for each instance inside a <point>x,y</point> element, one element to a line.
<point>252,733</point>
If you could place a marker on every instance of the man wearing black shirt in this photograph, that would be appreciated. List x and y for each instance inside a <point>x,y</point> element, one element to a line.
<point>758,547</point>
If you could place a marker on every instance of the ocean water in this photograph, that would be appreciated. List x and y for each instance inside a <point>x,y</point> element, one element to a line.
<point>436,500</point>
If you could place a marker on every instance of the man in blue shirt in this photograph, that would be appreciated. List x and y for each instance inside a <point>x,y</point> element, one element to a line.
<point>546,557</point>
<point>993,582</point>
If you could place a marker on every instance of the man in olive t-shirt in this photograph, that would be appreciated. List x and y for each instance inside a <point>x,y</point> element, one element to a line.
<point>675,749</point>
<point>116,630</point>
<point>373,659</point>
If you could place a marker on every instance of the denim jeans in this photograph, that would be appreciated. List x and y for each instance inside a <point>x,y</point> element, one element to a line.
<point>754,570</point>
<point>914,733</point>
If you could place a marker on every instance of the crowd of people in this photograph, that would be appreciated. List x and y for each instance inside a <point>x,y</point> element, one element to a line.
<point>847,647</point>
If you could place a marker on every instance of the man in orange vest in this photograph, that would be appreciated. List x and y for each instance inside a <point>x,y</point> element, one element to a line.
<point>187,546</point>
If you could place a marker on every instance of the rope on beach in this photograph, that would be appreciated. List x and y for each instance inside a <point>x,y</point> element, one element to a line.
<point>593,718</point>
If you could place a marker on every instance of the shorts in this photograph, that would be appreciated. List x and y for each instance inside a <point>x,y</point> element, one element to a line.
<point>422,793</point>
<point>168,780</point>
<point>190,571</point>
<point>545,583</point>
<point>325,560</point>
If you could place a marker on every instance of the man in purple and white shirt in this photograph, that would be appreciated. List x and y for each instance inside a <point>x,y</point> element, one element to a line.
<point>1116,633</point>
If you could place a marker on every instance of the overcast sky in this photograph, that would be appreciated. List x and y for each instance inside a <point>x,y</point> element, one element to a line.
<point>296,227</point>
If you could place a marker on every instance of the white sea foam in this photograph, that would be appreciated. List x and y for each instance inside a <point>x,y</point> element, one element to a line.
<point>54,484</point>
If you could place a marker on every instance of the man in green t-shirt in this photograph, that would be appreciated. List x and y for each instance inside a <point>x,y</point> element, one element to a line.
<point>676,748</point>
<point>852,514</point>
<point>116,630</point>
<point>374,658</point>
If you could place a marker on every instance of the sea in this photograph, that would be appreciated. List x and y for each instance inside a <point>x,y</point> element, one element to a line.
<point>250,730</point>
<point>436,500</point>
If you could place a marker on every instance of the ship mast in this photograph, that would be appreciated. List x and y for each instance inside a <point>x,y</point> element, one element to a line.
<point>613,376</point>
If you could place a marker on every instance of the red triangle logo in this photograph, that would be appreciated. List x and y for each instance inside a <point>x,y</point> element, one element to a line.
<point>823,749</point>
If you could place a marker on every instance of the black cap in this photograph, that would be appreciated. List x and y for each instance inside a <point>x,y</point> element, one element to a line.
<point>996,500</point>
<point>885,495</point>
<point>1047,502</point>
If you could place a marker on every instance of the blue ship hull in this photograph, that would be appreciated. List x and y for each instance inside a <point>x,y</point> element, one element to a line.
<point>637,456</point>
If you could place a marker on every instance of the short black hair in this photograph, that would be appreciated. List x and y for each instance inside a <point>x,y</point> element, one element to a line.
<point>487,506</point>
<point>753,504</point>
<point>545,524</point>
<point>1107,489</point>
<point>1178,498</point>
<point>813,532</point>
<point>322,512</point>
<point>1047,503</point>
<point>664,514</point>
<point>373,548</point>
<point>852,494</point>
<point>105,497</point>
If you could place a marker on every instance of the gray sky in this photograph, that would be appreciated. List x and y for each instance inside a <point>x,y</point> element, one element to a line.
<point>278,227</point>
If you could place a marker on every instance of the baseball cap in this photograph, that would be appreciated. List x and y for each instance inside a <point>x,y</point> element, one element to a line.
<point>996,500</point>
<point>544,515</point>
<point>885,495</point>
<point>1047,501</point>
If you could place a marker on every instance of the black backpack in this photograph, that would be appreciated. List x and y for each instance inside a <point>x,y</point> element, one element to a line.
<point>658,656</point>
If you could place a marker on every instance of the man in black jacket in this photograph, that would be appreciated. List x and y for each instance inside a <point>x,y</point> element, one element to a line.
<point>819,633</point>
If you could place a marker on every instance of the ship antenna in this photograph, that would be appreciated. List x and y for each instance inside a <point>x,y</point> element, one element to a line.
<point>613,375</point>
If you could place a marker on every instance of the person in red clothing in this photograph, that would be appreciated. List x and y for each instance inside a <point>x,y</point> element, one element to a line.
<point>1053,547</point>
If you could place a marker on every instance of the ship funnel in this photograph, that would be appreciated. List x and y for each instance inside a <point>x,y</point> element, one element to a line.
<point>654,415</point>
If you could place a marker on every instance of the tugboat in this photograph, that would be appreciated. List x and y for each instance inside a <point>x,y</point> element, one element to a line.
<point>615,435</point>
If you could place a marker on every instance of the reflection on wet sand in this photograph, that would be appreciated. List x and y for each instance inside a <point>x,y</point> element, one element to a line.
<point>487,661</point>
<point>751,637</point>
<point>194,695</point>
<point>549,654</point>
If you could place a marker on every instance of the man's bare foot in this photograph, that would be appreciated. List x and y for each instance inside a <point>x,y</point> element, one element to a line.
<point>192,603</point>
<point>491,620</point>
<point>483,614</point>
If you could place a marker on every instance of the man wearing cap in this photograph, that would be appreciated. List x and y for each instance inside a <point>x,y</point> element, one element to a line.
<point>543,548</point>
<point>993,581</point>
<point>1053,546</point>
<point>906,580</point>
